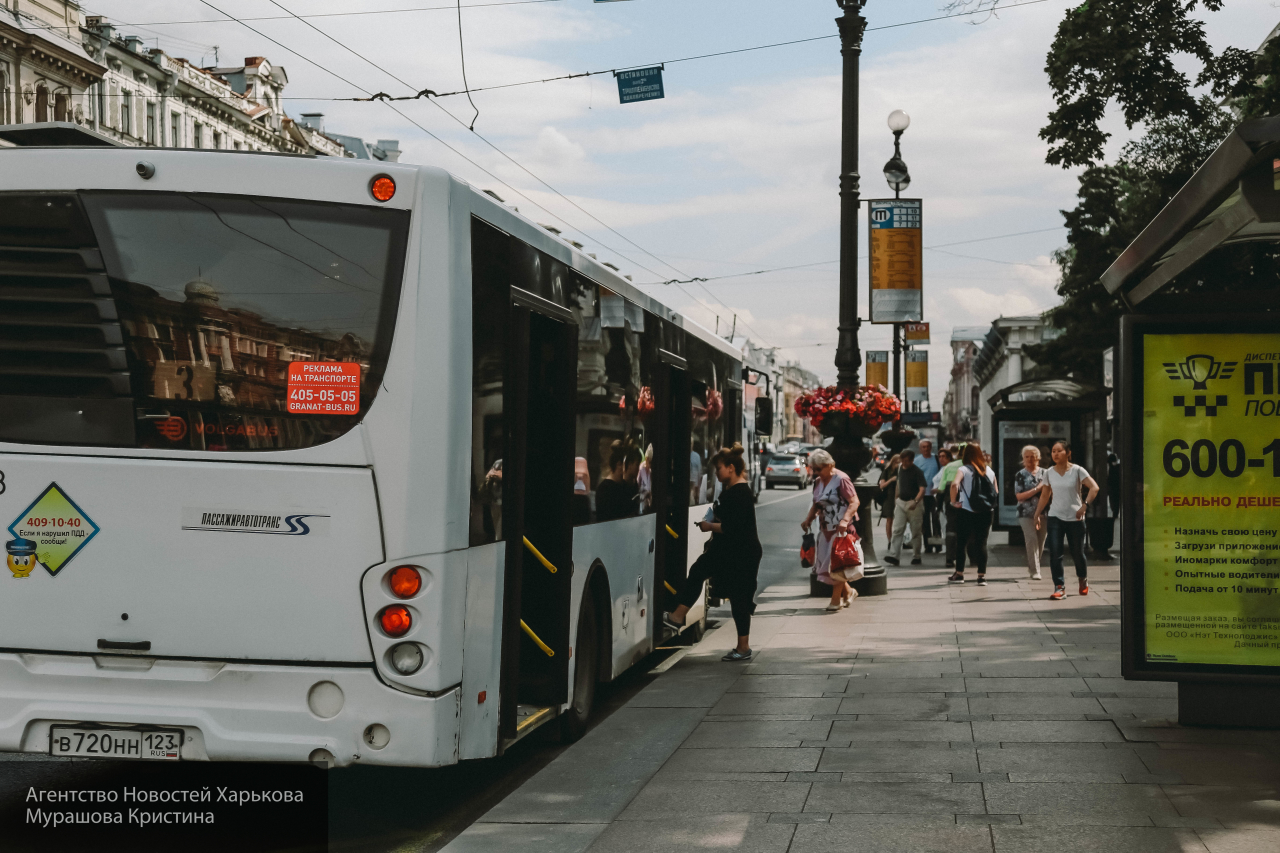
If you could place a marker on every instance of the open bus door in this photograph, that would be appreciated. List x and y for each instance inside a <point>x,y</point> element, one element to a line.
<point>542,364</point>
<point>672,409</point>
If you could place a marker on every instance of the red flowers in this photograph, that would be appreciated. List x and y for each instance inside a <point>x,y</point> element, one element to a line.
<point>870,405</point>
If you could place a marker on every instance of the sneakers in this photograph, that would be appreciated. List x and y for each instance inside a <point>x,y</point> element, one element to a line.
<point>916,561</point>
<point>982,580</point>
<point>1084,586</point>
<point>893,561</point>
<point>956,578</point>
<point>1059,593</point>
<point>1035,576</point>
<point>735,656</point>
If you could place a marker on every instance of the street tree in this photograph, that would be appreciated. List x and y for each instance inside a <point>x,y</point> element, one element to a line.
<point>1099,61</point>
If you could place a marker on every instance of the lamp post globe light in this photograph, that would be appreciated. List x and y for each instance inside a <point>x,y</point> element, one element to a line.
<point>895,171</point>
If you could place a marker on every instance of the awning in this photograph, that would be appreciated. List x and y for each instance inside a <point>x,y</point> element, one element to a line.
<point>1234,197</point>
<point>1039,392</point>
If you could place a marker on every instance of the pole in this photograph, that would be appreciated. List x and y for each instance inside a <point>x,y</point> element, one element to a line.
<point>848,355</point>
<point>897,360</point>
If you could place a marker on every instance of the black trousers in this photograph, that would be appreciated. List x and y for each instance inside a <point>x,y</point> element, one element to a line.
<point>741,593</point>
<point>972,529</point>
<point>950,540</point>
<point>932,525</point>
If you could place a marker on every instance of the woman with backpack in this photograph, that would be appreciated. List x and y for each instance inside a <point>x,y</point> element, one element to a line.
<point>973,494</point>
<point>1066,506</point>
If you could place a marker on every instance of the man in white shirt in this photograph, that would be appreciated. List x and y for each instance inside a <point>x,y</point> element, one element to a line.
<point>928,465</point>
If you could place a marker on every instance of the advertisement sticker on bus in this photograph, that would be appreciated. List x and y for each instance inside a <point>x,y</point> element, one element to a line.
<point>324,388</point>
<point>52,530</point>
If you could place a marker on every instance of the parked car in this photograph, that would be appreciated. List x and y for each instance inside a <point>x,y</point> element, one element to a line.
<point>786,469</point>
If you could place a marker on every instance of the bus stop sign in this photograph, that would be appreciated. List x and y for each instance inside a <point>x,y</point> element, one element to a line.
<point>639,84</point>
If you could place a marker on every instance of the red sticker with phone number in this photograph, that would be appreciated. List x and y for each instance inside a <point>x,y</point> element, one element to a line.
<point>324,388</point>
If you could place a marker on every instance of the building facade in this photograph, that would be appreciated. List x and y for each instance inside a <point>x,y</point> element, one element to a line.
<point>45,70</point>
<point>960,405</point>
<point>796,381</point>
<point>1002,362</point>
<point>56,64</point>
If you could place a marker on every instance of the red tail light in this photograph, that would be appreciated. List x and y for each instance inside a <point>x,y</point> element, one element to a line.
<point>396,620</point>
<point>382,188</point>
<point>405,581</point>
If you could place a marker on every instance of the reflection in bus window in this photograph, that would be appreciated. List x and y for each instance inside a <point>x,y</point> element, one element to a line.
<point>219,295</point>
<point>715,418</point>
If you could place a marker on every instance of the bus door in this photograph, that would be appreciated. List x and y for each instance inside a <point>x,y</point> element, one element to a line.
<point>542,364</point>
<point>673,412</point>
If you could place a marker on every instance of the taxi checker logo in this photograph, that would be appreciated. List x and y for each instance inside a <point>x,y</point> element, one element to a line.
<point>1200,369</point>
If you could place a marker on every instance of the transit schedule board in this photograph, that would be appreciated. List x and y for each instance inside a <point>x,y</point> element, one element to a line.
<point>878,367</point>
<point>917,375</point>
<point>1202,558</point>
<point>897,260</point>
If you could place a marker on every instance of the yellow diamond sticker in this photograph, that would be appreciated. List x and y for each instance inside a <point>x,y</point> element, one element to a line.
<point>53,528</point>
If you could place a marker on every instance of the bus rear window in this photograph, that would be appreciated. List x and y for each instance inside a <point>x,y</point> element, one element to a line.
<point>200,322</point>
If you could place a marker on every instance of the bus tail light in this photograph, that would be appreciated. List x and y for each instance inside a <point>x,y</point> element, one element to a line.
<point>405,581</point>
<point>406,658</point>
<point>383,188</point>
<point>395,620</point>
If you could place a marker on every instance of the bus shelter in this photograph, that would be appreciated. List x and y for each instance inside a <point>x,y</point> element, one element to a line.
<point>1200,562</point>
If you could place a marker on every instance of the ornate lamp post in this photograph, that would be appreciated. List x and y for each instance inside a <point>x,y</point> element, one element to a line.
<point>848,354</point>
<point>898,177</point>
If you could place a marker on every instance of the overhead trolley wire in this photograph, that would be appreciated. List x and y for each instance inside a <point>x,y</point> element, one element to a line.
<point>290,16</point>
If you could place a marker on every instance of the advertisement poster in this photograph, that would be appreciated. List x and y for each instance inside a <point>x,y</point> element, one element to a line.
<point>1211,472</point>
<point>897,261</point>
<point>917,376</point>
<point>878,367</point>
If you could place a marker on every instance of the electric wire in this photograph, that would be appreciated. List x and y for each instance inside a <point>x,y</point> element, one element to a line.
<point>462,54</point>
<point>511,159</point>
<point>338,14</point>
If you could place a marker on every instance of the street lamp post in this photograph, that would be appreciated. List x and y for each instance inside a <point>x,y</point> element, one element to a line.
<point>848,355</point>
<point>898,176</point>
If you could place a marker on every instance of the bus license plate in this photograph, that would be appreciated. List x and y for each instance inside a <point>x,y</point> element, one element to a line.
<point>156,745</point>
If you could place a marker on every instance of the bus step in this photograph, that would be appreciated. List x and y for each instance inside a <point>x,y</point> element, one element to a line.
<point>529,718</point>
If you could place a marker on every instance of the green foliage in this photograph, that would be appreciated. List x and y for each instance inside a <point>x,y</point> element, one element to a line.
<point>1122,51</point>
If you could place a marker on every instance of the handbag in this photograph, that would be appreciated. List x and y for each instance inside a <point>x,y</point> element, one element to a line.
<point>846,558</point>
<point>808,551</point>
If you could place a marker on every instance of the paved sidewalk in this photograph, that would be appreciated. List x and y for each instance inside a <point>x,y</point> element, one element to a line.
<point>936,718</point>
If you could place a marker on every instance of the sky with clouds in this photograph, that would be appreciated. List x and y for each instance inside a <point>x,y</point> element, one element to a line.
<point>737,168</point>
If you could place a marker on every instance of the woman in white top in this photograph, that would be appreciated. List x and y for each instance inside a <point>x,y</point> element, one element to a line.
<point>1062,498</point>
<point>973,494</point>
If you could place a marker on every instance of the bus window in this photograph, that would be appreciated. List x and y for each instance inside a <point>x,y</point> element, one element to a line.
<point>180,332</point>
<point>715,415</point>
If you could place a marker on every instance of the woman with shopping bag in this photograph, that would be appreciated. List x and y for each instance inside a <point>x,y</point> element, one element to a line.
<point>835,505</point>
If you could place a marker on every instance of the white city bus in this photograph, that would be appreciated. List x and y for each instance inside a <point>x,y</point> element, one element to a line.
<point>307,459</point>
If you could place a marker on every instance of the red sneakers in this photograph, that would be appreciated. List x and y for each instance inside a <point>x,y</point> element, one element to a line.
<point>1059,593</point>
<point>1084,586</point>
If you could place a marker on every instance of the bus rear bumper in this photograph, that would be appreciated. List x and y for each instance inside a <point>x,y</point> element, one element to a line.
<point>228,711</point>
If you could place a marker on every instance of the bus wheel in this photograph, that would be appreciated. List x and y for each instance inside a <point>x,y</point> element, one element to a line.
<point>573,722</point>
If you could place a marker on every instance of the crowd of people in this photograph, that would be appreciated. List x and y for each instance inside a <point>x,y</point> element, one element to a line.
<point>950,502</point>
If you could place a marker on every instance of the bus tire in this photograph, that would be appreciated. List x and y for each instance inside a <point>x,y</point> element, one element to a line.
<point>573,722</point>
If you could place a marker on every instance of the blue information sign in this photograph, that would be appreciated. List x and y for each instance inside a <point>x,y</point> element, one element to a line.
<point>639,84</point>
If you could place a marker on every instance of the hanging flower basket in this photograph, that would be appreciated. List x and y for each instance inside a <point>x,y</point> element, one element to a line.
<point>838,413</point>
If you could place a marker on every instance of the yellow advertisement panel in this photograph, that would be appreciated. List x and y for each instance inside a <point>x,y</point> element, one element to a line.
<point>1211,501</point>
<point>917,376</point>
<point>878,367</point>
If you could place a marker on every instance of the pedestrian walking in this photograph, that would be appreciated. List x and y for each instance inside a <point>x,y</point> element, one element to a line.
<point>835,505</point>
<point>973,494</point>
<point>1063,501</point>
<point>889,492</point>
<point>1027,485</point>
<point>943,484</point>
<point>731,559</point>
<point>929,466</point>
<point>909,510</point>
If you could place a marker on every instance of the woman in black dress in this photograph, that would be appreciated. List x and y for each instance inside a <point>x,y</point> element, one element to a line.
<point>732,556</point>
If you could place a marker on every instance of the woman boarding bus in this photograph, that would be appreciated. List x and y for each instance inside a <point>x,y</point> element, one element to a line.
<point>288,459</point>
